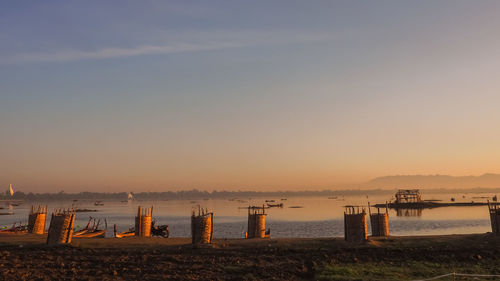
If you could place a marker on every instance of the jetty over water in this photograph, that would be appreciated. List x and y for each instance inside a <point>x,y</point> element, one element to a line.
<point>412,199</point>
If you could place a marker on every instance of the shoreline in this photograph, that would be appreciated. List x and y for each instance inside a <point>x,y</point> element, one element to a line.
<point>26,257</point>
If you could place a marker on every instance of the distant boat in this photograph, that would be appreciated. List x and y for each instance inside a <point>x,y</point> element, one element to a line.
<point>279,205</point>
<point>98,203</point>
<point>11,190</point>
<point>130,197</point>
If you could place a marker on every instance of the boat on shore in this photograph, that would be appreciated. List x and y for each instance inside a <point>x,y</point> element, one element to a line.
<point>92,232</point>
<point>15,228</point>
<point>128,233</point>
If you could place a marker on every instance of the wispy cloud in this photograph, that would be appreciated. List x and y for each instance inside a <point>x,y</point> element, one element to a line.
<point>194,42</point>
<point>73,55</point>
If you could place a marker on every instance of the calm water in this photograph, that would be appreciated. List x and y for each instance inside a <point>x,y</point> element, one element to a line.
<point>319,217</point>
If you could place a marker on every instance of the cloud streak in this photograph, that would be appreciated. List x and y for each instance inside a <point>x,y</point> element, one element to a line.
<point>199,42</point>
<point>106,53</point>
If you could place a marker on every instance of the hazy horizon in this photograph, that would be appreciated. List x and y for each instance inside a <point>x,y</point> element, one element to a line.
<point>387,182</point>
<point>261,95</point>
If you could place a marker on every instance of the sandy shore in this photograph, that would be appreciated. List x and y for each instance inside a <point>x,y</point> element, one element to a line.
<point>26,257</point>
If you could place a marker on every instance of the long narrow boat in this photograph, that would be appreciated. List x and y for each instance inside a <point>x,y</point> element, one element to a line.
<point>93,232</point>
<point>128,233</point>
<point>84,230</point>
<point>279,205</point>
<point>15,229</point>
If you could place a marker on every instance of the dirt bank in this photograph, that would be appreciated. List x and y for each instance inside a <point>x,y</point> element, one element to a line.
<point>26,257</point>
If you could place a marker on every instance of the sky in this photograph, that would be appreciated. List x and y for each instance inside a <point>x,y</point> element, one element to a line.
<point>245,95</point>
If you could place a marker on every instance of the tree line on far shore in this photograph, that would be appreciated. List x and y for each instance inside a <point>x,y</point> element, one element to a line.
<point>200,194</point>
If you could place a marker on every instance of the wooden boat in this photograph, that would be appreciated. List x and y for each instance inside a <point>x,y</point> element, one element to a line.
<point>17,229</point>
<point>86,210</point>
<point>84,230</point>
<point>92,232</point>
<point>128,233</point>
<point>279,205</point>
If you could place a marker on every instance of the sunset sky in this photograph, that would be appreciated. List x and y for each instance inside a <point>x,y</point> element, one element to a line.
<point>250,95</point>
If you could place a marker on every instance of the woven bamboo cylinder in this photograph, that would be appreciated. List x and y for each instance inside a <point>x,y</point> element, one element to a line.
<point>202,227</point>
<point>494,218</point>
<point>61,227</point>
<point>36,220</point>
<point>355,228</point>
<point>494,223</point>
<point>256,225</point>
<point>380,224</point>
<point>143,222</point>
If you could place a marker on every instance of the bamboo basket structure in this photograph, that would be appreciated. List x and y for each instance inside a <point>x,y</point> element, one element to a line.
<point>143,222</point>
<point>61,227</point>
<point>494,218</point>
<point>379,222</point>
<point>202,226</point>
<point>36,220</point>
<point>355,228</point>
<point>256,222</point>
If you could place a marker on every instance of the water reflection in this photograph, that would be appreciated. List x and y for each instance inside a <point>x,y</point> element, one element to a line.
<point>316,217</point>
<point>409,212</point>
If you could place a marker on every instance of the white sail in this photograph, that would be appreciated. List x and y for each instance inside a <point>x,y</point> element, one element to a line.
<point>11,190</point>
<point>130,196</point>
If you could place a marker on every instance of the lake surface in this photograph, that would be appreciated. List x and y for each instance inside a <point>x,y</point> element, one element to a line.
<point>318,217</point>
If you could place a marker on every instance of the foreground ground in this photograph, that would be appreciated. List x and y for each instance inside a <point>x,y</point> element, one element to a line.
<point>26,257</point>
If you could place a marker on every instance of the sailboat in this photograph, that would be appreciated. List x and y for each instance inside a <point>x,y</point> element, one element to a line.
<point>11,192</point>
<point>130,197</point>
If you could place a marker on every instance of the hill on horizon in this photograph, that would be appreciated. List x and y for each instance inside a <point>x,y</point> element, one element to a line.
<point>488,180</point>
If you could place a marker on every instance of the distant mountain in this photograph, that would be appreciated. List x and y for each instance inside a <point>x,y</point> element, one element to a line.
<point>435,181</point>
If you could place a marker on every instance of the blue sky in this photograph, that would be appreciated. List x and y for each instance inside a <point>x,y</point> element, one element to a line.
<point>161,95</point>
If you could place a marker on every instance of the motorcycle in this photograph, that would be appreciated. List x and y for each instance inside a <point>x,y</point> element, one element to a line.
<point>161,230</point>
